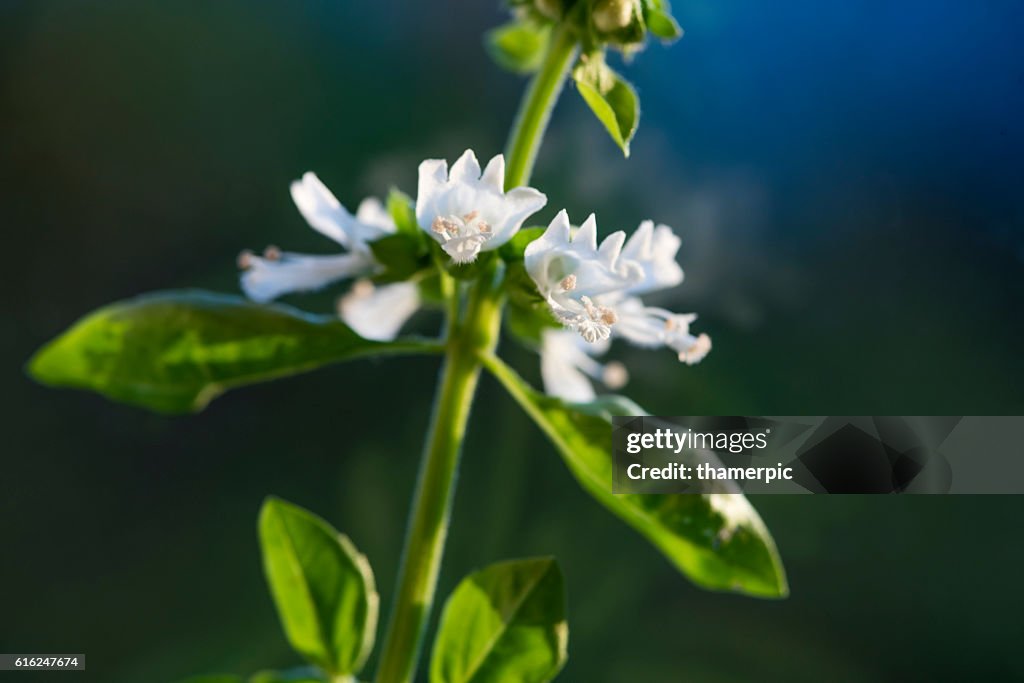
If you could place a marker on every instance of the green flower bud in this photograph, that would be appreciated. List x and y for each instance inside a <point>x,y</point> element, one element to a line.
<point>610,16</point>
<point>552,9</point>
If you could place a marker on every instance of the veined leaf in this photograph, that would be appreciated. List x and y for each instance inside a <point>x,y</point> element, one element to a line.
<point>503,623</point>
<point>518,46</point>
<point>612,99</point>
<point>717,540</point>
<point>322,586</point>
<point>173,352</point>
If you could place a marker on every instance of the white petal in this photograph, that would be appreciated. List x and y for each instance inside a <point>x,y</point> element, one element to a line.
<point>566,362</point>
<point>652,327</point>
<point>494,174</point>
<point>378,313</point>
<point>586,236</point>
<point>466,169</point>
<point>464,192</point>
<point>433,174</point>
<point>326,215</point>
<point>611,247</point>
<point>654,251</point>
<point>558,367</point>
<point>372,213</point>
<point>639,245</point>
<point>518,204</point>
<point>554,255</point>
<point>266,279</point>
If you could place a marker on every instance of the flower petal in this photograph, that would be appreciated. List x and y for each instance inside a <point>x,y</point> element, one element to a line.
<point>555,255</point>
<point>466,169</point>
<point>378,313</point>
<point>433,174</point>
<point>559,367</point>
<point>373,214</point>
<point>654,249</point>
<point>326,215</point>
<point>472,205</point>
<point>266,279</point>
<point>494,174</point>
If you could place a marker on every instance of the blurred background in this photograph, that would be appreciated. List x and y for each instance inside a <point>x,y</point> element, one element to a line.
<point>846,177</point>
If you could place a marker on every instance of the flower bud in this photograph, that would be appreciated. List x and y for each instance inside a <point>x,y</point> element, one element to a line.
<point>552,9</point>
<point>613,15</point>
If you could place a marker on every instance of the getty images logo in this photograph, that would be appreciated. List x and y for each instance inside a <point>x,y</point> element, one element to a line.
<point>678,440</point>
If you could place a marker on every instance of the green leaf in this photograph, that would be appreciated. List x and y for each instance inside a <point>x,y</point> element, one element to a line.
<point>403,212</point>
<point>301,675</point>
<point>401,255</point>
<point>720,543</point>
<point>612,99</point>
<point>322,586</point>
<point>663,25</point>
<point>528,322</point>
<point>503,623</point>
<point>514,249</point>
<point>518,46</point>
<point>173,352</point>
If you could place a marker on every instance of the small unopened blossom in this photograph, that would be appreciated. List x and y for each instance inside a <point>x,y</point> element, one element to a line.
<point>467,210</point>
<point>593,289</point>
<point>276,272</point>
<point>568,364</point>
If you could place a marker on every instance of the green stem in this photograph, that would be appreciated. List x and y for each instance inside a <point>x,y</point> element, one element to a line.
<point>428,522</point>
<point>474,338</point>
<point>535,109</point>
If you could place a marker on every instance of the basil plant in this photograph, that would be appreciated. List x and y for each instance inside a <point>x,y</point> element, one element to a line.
<point>466,243</point>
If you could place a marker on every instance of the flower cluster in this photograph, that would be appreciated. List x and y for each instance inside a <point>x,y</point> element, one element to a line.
<point>593,290</point>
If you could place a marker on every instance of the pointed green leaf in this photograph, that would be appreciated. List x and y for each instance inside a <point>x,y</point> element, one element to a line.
<point>717,540</point>
<point>173,352</point>
<point>503,623</point>
<point>518,46</point>
<point>612,99</point>
<point>322,586</point>
<point>663,25</point>
<point>403,212</point>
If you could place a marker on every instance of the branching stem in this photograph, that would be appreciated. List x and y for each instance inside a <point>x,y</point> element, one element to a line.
<point>473,337</point>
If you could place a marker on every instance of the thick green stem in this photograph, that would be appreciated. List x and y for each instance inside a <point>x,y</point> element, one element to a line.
<point>428,522</point>
<point>469,340</point>
<point>535,109</point>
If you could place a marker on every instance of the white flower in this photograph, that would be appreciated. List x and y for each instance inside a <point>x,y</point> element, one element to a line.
<point>277,273</point>
<point>467,211</point>
<point>566,363</point>
<point>379,312</point>
<point>652,327</point>
<point>374,314</point>
<point>593,289</point>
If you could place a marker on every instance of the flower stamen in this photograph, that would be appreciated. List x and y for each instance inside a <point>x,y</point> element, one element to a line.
<point>462,237</point>
<point>244,259</point>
